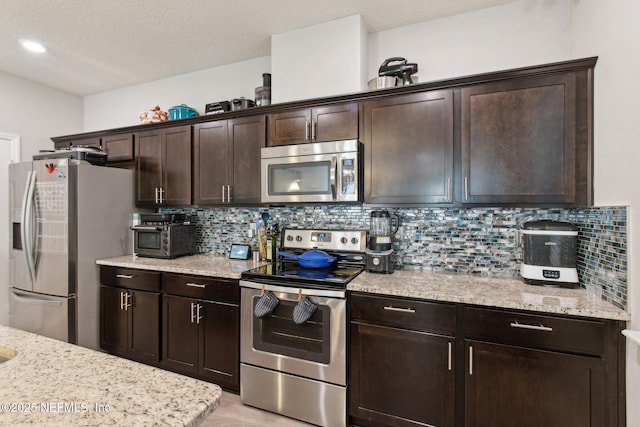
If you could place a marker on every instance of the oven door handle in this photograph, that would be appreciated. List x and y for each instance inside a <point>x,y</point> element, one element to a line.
<point>146,228</point>
<point>295,291</point>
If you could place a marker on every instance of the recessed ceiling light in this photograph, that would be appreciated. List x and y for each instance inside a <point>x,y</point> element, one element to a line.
<point>32,46</point>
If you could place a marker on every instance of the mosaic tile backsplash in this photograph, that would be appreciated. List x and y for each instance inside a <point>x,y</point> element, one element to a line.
<point>472,241</point>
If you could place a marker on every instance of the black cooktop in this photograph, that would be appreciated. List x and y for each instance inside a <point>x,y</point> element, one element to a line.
<point>290,273</point>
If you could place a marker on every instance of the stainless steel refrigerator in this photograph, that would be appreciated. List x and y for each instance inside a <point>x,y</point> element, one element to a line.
<point>64,215</point>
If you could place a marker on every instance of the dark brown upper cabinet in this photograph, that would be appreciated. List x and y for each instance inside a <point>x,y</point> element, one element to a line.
<point>319,124</point>
<point>409,143</point>
<point>524,141</point>
<point>119,147</point>
<point>227,161</point>
<point>163,169</point>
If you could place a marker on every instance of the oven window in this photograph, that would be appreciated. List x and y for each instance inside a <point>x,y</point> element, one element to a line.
<point>300,178</point>
<point>148,240</point>
<point>279,334</point>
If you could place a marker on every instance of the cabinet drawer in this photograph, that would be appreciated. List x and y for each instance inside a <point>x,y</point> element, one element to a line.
<point>404,313</point>
<point>534,331</point>
<point>209,288</point>
<point>130,278</point>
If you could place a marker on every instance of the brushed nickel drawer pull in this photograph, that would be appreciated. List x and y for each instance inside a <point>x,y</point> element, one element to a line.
<point>124,276</point>
<point>534,327</point>
<point>470,360</point>
<point>403,310</point>
<point>449,356</point>
<point>196,285</point>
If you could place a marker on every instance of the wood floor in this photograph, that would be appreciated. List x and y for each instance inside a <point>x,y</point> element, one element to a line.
<point>232,413</point>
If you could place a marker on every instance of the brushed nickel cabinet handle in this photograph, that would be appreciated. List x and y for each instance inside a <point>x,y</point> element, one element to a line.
<point>470,360</point>
<point>533,327</point>
<point>193,315</point>
<point>124,276</point>
<point>403,310</point>
<point>466,188</point>
<point>198,316</point>
<point>449,356</point>
<point>306,130</point>
<point>196,285</point>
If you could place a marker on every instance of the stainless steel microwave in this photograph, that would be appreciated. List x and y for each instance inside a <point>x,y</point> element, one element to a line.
<point>310,173</point>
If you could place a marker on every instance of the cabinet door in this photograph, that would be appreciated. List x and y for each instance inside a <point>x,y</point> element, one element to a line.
<point>211,162</point>
<point>176,183</point>
<point>400,377</point>
<point>513,386</point>
<point>247,136</point>
<point>148,167</point>
<point>118,147</point>
<point>179,334</point>
<point>409,149</point>
<point>519,141</point>
<point>291,127</point>
<point>86,142</point>
<point>114,324</point>
<point>219,344</point>
<point>144,326</point>
<point>335,122</point>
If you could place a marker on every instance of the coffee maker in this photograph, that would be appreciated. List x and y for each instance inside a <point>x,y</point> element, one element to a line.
<point>379,250</point>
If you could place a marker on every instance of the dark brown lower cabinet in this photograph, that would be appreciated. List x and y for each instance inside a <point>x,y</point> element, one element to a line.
<point>512,367</point>
<point>130,313</point>
<point>201,337</point>
<point>130,323</point>
<point>512,386</point>
<point>400,375</point>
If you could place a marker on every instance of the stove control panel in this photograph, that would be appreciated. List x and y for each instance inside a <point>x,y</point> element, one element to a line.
<point>328,240</point>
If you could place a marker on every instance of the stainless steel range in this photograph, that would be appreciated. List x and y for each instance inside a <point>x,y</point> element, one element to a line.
<point>293,327</point>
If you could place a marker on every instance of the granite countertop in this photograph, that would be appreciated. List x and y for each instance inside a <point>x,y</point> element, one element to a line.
<point>200,265</point>
<point>487,291</point>
<point>47,382</point>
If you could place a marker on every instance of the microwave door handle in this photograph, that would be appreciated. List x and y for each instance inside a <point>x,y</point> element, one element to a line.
<point>334,175</point>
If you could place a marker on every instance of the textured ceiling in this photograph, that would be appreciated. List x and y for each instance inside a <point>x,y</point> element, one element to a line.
<point>99,45</point>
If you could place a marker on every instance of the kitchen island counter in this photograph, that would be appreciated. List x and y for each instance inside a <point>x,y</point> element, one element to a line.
<point>488,291</point>
<point>47,382</point>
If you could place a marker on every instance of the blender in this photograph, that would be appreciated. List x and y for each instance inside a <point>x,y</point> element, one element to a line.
<point>379,250</point>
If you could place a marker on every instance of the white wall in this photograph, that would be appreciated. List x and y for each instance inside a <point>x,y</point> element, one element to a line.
<point>122,107</point>
<point>611,31</point>
<point>319,60</point>
<point>511,36</point>
<point>35,113</point>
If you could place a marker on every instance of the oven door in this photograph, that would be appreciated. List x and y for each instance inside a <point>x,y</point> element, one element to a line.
<point>315,349</point>
<point>319,172</point>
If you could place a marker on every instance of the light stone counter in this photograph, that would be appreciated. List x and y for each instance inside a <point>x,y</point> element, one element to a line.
<point>486,291</point>
<point>52,383</point>
<point>200,265</point>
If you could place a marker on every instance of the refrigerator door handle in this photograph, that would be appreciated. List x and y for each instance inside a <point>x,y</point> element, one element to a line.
<point>26,226</point>
<point>26,298</point>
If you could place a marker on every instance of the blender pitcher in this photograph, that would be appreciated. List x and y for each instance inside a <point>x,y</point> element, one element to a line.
<point>382,228</point>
